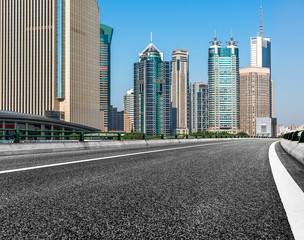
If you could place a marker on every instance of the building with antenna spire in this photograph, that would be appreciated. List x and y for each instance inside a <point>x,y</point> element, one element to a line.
<point>152,92</point>
<point>261,55</point>
<point>256,87</point>
<point>260,47</point>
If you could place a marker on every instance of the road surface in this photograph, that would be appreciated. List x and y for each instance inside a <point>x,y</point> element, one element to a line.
<point>210,190</point>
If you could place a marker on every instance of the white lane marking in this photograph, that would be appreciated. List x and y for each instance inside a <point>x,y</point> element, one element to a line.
<point>291,194</point>
<point>103,158</point>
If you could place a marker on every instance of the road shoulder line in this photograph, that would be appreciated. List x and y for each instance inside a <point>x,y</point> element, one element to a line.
<point>290,193</point>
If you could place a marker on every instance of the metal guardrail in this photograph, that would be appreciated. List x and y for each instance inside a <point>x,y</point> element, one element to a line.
<point>19,135</point>
<point>296,136</point>
<point>29,134</point>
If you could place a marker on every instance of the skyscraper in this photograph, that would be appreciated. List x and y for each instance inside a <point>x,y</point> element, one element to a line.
<point>49,59</point>
<point>254,97</point>
<point>224,87</point>
<point>129,105</point>
<point>152,92</point>
<point>180,90</point>
<point>106,34</point>
<point>261,54</point>
<point>199,107</point>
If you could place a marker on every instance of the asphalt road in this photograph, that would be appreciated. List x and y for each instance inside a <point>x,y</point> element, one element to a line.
<point>212,191</point>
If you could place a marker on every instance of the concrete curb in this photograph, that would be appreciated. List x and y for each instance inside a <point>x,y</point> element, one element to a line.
<point>11,149</point>
<point>295,149</point>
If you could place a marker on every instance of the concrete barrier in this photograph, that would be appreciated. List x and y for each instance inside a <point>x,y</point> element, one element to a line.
<point>294,148</point>
<point>34,148</point>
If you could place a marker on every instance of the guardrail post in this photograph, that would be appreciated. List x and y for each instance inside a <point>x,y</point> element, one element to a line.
<point>17,136</point>
<point>81,136</point>
<point>289,136</point>
<point>119,137</point>
<point>294,136</point>
<point>301,140</point>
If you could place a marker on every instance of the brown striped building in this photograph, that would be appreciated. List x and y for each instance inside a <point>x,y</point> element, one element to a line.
<point>254,97</point>
<point>49,59</point>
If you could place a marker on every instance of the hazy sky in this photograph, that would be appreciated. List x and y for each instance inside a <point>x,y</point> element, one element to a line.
<point>190,24</point>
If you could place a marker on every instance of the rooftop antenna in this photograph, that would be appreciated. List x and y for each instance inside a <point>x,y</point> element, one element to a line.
<point>261,28</point>
<point>231,38</point>
<point>215,42</point>
<point>151,37</point>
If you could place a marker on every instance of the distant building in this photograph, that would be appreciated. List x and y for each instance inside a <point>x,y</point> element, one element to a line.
<point>152,92</point>
<point>301,127</point>
<point>254,97</point>
<point>292,127</point>
<point>199,107</point>
<point>180,90</point>
<point>266,127</point>
<point>127,123</point>
<point>117,120</point>
<point>51,55</point>
<point>224,87</point>
<point>129,106</point>
<point>106,34</point>
<point>281,130</point>
<point>272,99</point>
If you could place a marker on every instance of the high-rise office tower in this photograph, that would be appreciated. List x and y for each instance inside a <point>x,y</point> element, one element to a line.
<point>261,54</point>
<point>129,105</point>
<point>49,59</point>
<point>254,97</point>
<point>106,34</point>
<point>199,107</point>
<point>224,87</point>
<point>152,92</point>
<point>180,90</point>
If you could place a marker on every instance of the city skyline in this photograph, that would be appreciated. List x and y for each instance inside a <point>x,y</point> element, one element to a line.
<point>197,41</point>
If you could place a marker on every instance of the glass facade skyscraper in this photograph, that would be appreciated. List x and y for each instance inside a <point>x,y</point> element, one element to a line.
<point>152,92</point>
<point>106,34</point>
<point>224,87</point>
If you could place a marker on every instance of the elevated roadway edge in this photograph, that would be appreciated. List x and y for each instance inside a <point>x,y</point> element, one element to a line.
<point>35,148</point>
<point>294,148</point>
